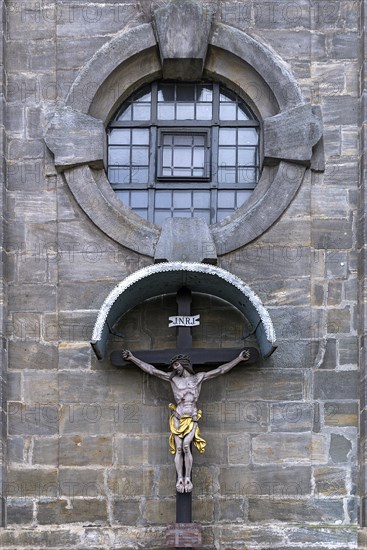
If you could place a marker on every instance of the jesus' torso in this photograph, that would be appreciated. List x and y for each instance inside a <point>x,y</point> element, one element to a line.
<point>186,391</point>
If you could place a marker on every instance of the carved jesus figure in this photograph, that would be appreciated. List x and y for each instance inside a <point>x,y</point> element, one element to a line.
<point>186,386</point>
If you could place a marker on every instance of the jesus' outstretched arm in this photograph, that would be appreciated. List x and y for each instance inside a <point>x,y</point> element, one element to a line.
<point>243,356</point>
<point>146,367</point>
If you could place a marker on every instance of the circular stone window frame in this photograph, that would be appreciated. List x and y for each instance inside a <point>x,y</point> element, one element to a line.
<point>131,59</point>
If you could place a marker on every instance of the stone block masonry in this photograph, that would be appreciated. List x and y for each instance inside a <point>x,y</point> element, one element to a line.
<point>84,460</point>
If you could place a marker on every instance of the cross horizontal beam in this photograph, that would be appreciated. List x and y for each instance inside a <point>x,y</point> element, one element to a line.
<point>206,357</point>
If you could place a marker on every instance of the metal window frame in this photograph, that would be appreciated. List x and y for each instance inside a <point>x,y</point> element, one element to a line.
<point>210,128</point>
<point>185,132</point>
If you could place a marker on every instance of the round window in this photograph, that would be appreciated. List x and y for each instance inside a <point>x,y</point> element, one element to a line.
<point>179,149</point>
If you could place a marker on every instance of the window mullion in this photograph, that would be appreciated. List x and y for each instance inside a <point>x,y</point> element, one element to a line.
<point>216,103</point>
<point>154,102</point>
<point>152,172</point>
<point>214,155</point>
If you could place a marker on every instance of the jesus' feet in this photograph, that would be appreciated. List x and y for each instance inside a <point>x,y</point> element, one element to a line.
<point>180,487</point>
<point>188,485</point>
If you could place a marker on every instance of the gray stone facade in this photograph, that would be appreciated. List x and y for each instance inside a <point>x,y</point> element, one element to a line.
<point>84,460</point>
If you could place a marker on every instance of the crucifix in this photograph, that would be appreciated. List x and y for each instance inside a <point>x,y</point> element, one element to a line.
<point>205,357</point>
<point>186,386</point>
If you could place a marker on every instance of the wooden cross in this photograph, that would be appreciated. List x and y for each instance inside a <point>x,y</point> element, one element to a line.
<point>206,357</point>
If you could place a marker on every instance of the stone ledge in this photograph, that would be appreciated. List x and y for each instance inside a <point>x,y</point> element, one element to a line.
<point>279,536</point>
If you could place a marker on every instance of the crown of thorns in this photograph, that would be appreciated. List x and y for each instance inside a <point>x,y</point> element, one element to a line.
<point>185,360</point>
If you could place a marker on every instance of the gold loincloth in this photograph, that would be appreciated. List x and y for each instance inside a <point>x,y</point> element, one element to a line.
<point>185,427</point>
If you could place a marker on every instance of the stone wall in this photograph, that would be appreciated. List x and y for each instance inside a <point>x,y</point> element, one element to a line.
<point>87,457</point>
<point>3,357</point>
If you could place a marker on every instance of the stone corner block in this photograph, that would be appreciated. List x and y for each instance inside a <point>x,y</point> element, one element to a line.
<point>182,28</point>
<point>75,138</point>
<point>185,239</point>
<point>293,134</point>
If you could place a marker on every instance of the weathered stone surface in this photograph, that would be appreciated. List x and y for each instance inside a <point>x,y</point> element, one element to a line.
<point>271,261</point>
<point>290,448</point>
<point>91,511</point>
<point>126,512</point>
<point>74,355</point>
<point>216,447</point>
<point>32,419</point>
<point>25,149</point>
<point>242,481</point>
<point>232,509</point>
<point>339,110</point>
<point>287,292</point>
<point>15,448</point>
<point>300,355</point>
<point>348,351</point>
<point>99,387</point>
<point>83,49</point>
<point>309,535</point>
<point>333,385</point>
<point>335,290</point>
<point>291,417</point>
<point>92,295</point>
<point>265,385</point>
<point>203,509</point>
<point>341,414</point>
<point>95,18</point>
<point>52,301</point>
<point>100,418</point>
<point>75,138</point>
<point>339,321</point>
<point>95,196</point>
<point>45,451</point>
<point>340,449</point>
<point>291,135</point>
<point>81,482</point>
<point>332,200</point>
<point>276,16</point>
<point>331,233</point>
<point>182,29</point>
<point>337,172</point>
<point>306,43</point>
<point>32,482</point>
<point>160,511</point>
<point>185,240</point>
<point>295,510</point>
<point>143,449</point>
<point>239,449</point>
<point>344,45</point>
<point>19,511</point>
<point>329,359</point>
<point>132,482</point>
<point>14,388</point>
<point>276,72</point>
<point>330,482</point>
<point>31,297</point>
<point>81,450</point>
<point>235,415</point>
<point>41,387</point>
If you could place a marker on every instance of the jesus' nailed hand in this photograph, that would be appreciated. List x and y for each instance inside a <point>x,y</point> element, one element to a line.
<point>186,386</point>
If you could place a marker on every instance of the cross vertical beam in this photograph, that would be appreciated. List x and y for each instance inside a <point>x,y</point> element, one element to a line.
<point>189,533</point>
<point>184,341</point>
<point>184,336</point>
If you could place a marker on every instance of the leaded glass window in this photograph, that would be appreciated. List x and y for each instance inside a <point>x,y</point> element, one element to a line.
<point>183,149</point>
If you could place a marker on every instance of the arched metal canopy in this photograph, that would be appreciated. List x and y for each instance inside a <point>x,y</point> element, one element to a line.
<point>166,278</point>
